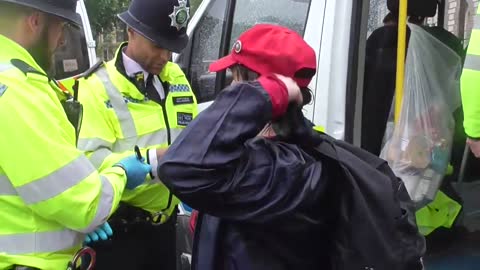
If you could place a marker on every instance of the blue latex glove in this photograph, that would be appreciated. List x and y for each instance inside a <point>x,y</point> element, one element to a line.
<point>136,170</point>
<point>102,232</point>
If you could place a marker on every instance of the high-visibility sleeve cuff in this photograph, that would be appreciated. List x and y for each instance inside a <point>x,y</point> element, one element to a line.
<point>152,160</point>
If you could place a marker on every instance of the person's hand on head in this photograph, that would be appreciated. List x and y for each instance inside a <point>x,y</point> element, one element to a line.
<point>294,92</point>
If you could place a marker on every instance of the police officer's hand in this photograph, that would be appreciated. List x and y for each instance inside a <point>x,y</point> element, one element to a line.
<point>294,94</point>
<point>474,146</point>
<point>102,232</point>
<point>136,170</point>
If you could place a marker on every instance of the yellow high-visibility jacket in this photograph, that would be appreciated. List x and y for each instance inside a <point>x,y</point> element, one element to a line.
<point>118,116</point>
<point>50,193</point>
<point>471,83</point>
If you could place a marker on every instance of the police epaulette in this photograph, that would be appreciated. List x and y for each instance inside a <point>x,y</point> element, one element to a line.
<point>25,68</point>
<point>87,73</point>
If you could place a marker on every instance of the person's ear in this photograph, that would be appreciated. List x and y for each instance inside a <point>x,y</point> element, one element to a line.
<point>131,33</point>
<point>36,22</point>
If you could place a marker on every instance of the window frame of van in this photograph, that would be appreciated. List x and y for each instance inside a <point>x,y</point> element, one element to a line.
<point>91,44</point>
<point>355,71</point>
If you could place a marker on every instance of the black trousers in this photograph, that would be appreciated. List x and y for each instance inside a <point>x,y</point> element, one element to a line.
<point>139,246</point>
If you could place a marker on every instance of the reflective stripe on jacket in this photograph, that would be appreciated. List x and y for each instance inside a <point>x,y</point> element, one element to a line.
<point>117,116</point>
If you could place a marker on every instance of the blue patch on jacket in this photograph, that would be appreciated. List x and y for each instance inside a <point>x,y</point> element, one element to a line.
<point>179,88</point>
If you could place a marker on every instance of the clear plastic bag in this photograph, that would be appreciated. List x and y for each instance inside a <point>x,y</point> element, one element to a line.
<point>419,148</point>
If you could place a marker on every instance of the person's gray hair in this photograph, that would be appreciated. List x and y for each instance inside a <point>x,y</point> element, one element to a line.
<point>244,73</point>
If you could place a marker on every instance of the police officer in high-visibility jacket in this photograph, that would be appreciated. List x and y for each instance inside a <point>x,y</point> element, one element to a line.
<point>51,195</point>
<point>471,89</point>
<point>139,98</point>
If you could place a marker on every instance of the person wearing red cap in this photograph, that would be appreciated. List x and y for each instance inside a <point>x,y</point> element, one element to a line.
<point>238,163</point>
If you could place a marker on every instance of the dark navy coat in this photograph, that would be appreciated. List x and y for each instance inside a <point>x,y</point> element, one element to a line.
<point>258,198</point>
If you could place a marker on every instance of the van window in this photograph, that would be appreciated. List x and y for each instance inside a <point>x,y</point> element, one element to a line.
<point>205,50</point>
<point>71,58</point>
<point>377,12</point>
<point>289,13</point>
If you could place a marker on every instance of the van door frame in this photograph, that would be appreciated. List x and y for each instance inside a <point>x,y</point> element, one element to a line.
<point>225,42</point>
<point>356,71</point>
<point>91,44</point>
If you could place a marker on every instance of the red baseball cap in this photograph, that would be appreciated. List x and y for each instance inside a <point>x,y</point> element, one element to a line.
<point>268,49</point>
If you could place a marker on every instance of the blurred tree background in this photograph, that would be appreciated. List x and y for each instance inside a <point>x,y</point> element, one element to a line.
<point>103,14</point>
<point>108,30</point>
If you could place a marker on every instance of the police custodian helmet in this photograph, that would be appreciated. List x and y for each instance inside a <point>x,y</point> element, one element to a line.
<point>61,8</point>
<point>164,22</point>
